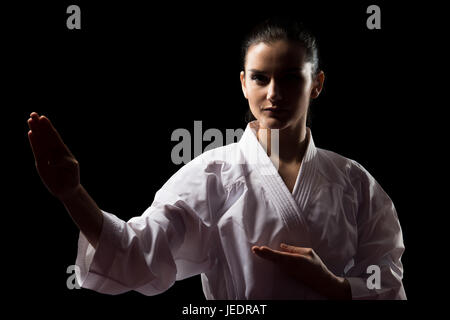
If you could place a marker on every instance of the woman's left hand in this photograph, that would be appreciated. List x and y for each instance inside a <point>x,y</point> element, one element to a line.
<point>304,265</point>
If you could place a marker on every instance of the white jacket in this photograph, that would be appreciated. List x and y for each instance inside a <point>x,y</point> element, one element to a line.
<point>209,214</point>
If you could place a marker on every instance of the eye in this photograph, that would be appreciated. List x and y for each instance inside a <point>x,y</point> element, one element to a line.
<point>259,78</point>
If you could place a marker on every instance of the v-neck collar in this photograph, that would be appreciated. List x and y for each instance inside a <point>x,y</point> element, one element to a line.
<point>290,205</point>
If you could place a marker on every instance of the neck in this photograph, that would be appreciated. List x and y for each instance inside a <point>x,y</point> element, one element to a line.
<point>292,143</point>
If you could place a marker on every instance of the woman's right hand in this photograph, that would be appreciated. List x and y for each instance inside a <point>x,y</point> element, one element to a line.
<point>57,167</point>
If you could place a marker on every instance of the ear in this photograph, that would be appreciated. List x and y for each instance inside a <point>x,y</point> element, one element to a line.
<point>317,85</point>
<point>244,89</point>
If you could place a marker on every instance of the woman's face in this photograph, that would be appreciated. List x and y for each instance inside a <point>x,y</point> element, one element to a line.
<point>278,84</point>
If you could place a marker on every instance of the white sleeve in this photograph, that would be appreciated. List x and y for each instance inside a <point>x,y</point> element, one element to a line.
<point>170,241</point>
<point>380,243</point>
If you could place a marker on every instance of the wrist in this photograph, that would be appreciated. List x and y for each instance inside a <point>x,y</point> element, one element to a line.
<point>340,289</point>
<point>71,196</point>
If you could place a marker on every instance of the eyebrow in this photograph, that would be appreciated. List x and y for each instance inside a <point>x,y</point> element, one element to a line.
<point>285,70</point>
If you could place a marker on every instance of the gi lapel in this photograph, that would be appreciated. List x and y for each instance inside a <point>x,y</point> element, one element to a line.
<point>306,177</point>
<point>290,206</point>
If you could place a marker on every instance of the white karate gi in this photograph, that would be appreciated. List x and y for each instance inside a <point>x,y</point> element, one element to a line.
<point>209,214</point>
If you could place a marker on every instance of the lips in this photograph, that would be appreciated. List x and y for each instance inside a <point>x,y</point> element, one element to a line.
<point>274,109</point>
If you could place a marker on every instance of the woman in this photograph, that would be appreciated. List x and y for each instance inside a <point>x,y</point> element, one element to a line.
<point>269,217</point>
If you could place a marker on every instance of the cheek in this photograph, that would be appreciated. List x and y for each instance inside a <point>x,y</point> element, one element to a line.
<point>254,107</point>
<point>299,96</point>
<point>255,97</point>
<point>297,90</point>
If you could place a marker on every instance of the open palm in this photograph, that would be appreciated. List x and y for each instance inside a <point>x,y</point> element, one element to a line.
<point>56,165</point>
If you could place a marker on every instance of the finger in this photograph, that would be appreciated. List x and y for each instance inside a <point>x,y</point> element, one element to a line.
<point>293,249</point>
<point>264,253</point>
<point>37,145</point>
<point>33,122</point>
<point>33,143</point>
<point>34,115</point>
<point>33,133</point>
<point>45,141</point>
<point>38,141</point>
<point>272,255</point>
<point>41,148</point>
<point>52,137</point>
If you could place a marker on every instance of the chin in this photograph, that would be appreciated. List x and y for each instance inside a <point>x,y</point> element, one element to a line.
<point>273,123</point>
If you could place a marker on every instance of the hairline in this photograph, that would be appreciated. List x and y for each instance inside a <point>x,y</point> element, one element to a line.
<point>271,42</point>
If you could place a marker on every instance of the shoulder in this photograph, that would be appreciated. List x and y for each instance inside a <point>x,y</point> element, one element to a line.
<point>350,175</point>
<point>340,169</point>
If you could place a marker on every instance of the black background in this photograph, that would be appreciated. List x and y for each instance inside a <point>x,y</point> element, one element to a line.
<point>118,88</point>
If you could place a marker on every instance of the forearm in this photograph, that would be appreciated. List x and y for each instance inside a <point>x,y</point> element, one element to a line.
<point>86,214</point>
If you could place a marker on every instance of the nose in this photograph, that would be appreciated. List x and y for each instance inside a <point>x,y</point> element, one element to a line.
<point>273,92</point>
